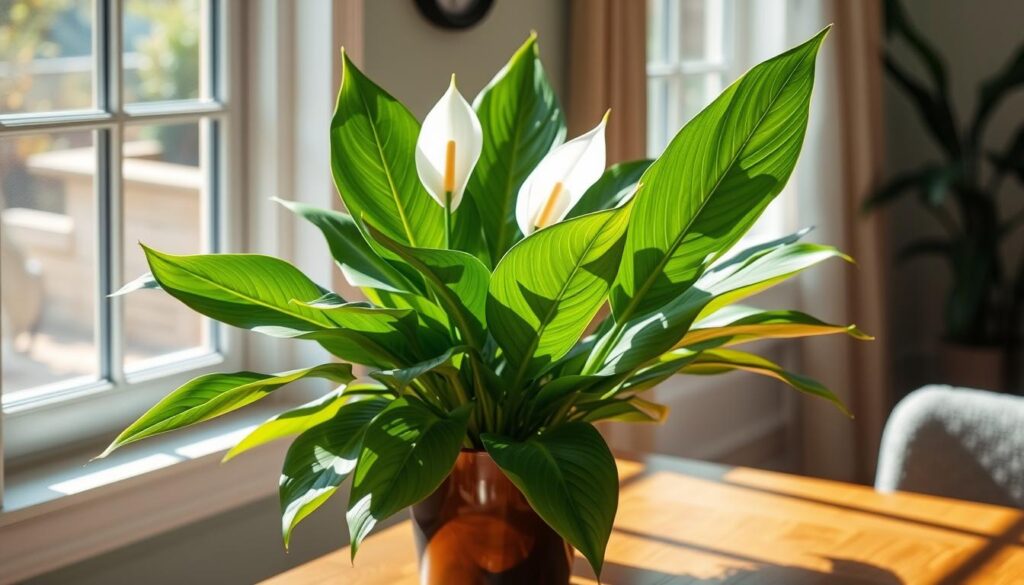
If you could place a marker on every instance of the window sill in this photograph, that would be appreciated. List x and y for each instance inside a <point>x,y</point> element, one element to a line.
<point>63,511</point>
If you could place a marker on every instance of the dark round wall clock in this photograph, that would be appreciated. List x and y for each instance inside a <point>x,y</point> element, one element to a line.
<point>454,13</point>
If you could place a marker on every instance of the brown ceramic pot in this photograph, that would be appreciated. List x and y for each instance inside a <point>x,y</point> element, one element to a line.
<point>477,528</point>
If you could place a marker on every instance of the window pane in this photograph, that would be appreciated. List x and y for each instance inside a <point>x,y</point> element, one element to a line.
<point>658,131</point>
<point>163,49</point>
<point>693,29</point>
<point>660,31</point>
<point>698,91</point>
<point>49,270</point>
<point>165,207</point>
<point>46,55</point>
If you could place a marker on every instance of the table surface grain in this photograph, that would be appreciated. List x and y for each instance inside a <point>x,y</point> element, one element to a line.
<point>686,522</point>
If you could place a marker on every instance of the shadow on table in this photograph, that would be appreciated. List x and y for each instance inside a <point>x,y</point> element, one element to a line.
<point>843,572</point>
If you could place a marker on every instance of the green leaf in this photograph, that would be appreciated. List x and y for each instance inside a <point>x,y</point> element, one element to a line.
<point>244,290</point>
<point>714,180</point>
<point>734,325</point>
<point>145,281</point>
<point>634,410</point>
<point>213,395</point>
<point>663,367</point>
<point>399,379</point>
<point>407,452</point>
<point>548,288</point>
<point>382,282</point>
<point>458,279</point>
<point>732,282</point>
<point>373,142</point>
<point>1011,160</point>
<point>296,420</point>
<point>896,21</point>
<point>933,107</point>
<point>360,264</point>
<point>719,361</point>
<point>930,246</point>
<point>569,478</point>
<point>290,422</point>
<point>612,189</point>
<point>560,387</point>
<point>994,90</point>
<point>746,274</point>
<point>521,122</point>
<point>932,181</point>
<point>320,459</point>
<point>365,332</point>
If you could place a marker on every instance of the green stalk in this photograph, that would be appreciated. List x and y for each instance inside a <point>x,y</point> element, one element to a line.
<point>481,393</point>
<point>448,220</point>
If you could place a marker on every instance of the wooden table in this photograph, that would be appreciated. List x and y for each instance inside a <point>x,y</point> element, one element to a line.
<point>684,522</point>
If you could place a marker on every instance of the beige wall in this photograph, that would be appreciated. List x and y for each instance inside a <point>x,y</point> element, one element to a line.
<point>413,59</point>
<point>976,39</point>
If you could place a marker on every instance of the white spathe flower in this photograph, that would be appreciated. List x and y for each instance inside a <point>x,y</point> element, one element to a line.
<point>448,147</point>
<point>561,178</point>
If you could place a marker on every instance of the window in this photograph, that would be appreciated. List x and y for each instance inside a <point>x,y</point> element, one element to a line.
<point>689,60</point>
<point>112,114</point>
<point>695,49</point>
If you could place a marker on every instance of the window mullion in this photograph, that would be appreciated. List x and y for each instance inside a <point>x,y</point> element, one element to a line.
<point>109,196</point>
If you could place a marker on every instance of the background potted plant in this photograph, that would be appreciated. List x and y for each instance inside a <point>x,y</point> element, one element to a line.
<point>962,193</point>
<point>486,247</point>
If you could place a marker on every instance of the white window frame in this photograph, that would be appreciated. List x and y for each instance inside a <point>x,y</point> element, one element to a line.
<point>177,479</point>
<point>677,70</point>
<point>67,413</point>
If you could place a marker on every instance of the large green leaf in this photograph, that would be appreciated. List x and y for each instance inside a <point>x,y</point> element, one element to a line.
<point>364,332</point>
<point>732,282</point>
<point>320,459</point>
<point>213,395</point>
<point>657,371</point>
<point>400,378</point>
<point>548,287</point>
<point>750,272</point>
<point>407,452</point>
<point>612,189</point>
<point>459,280</point>
<point>718,361</point>
<point>714,180</point>
<point>568,476</point>
<point>296,420</point>
<point>244,290</point>
<point>360,264</point>
<point>737,324</point>
<point>521,122</point>
<point>381,280</point>
<point>373,142</point>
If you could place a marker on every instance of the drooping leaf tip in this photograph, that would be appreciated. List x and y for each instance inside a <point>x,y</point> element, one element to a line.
<point>856,333</point>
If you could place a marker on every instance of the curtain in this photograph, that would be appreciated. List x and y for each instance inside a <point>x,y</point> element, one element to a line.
<point>840,165</point>
<point>608,70</point>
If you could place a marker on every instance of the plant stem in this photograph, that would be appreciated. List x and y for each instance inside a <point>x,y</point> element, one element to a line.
<point>482,394</point>
<point>448,220</point>
<point>435,406</point>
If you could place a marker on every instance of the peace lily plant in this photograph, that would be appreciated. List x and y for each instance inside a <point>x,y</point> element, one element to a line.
<point>486,248</point>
